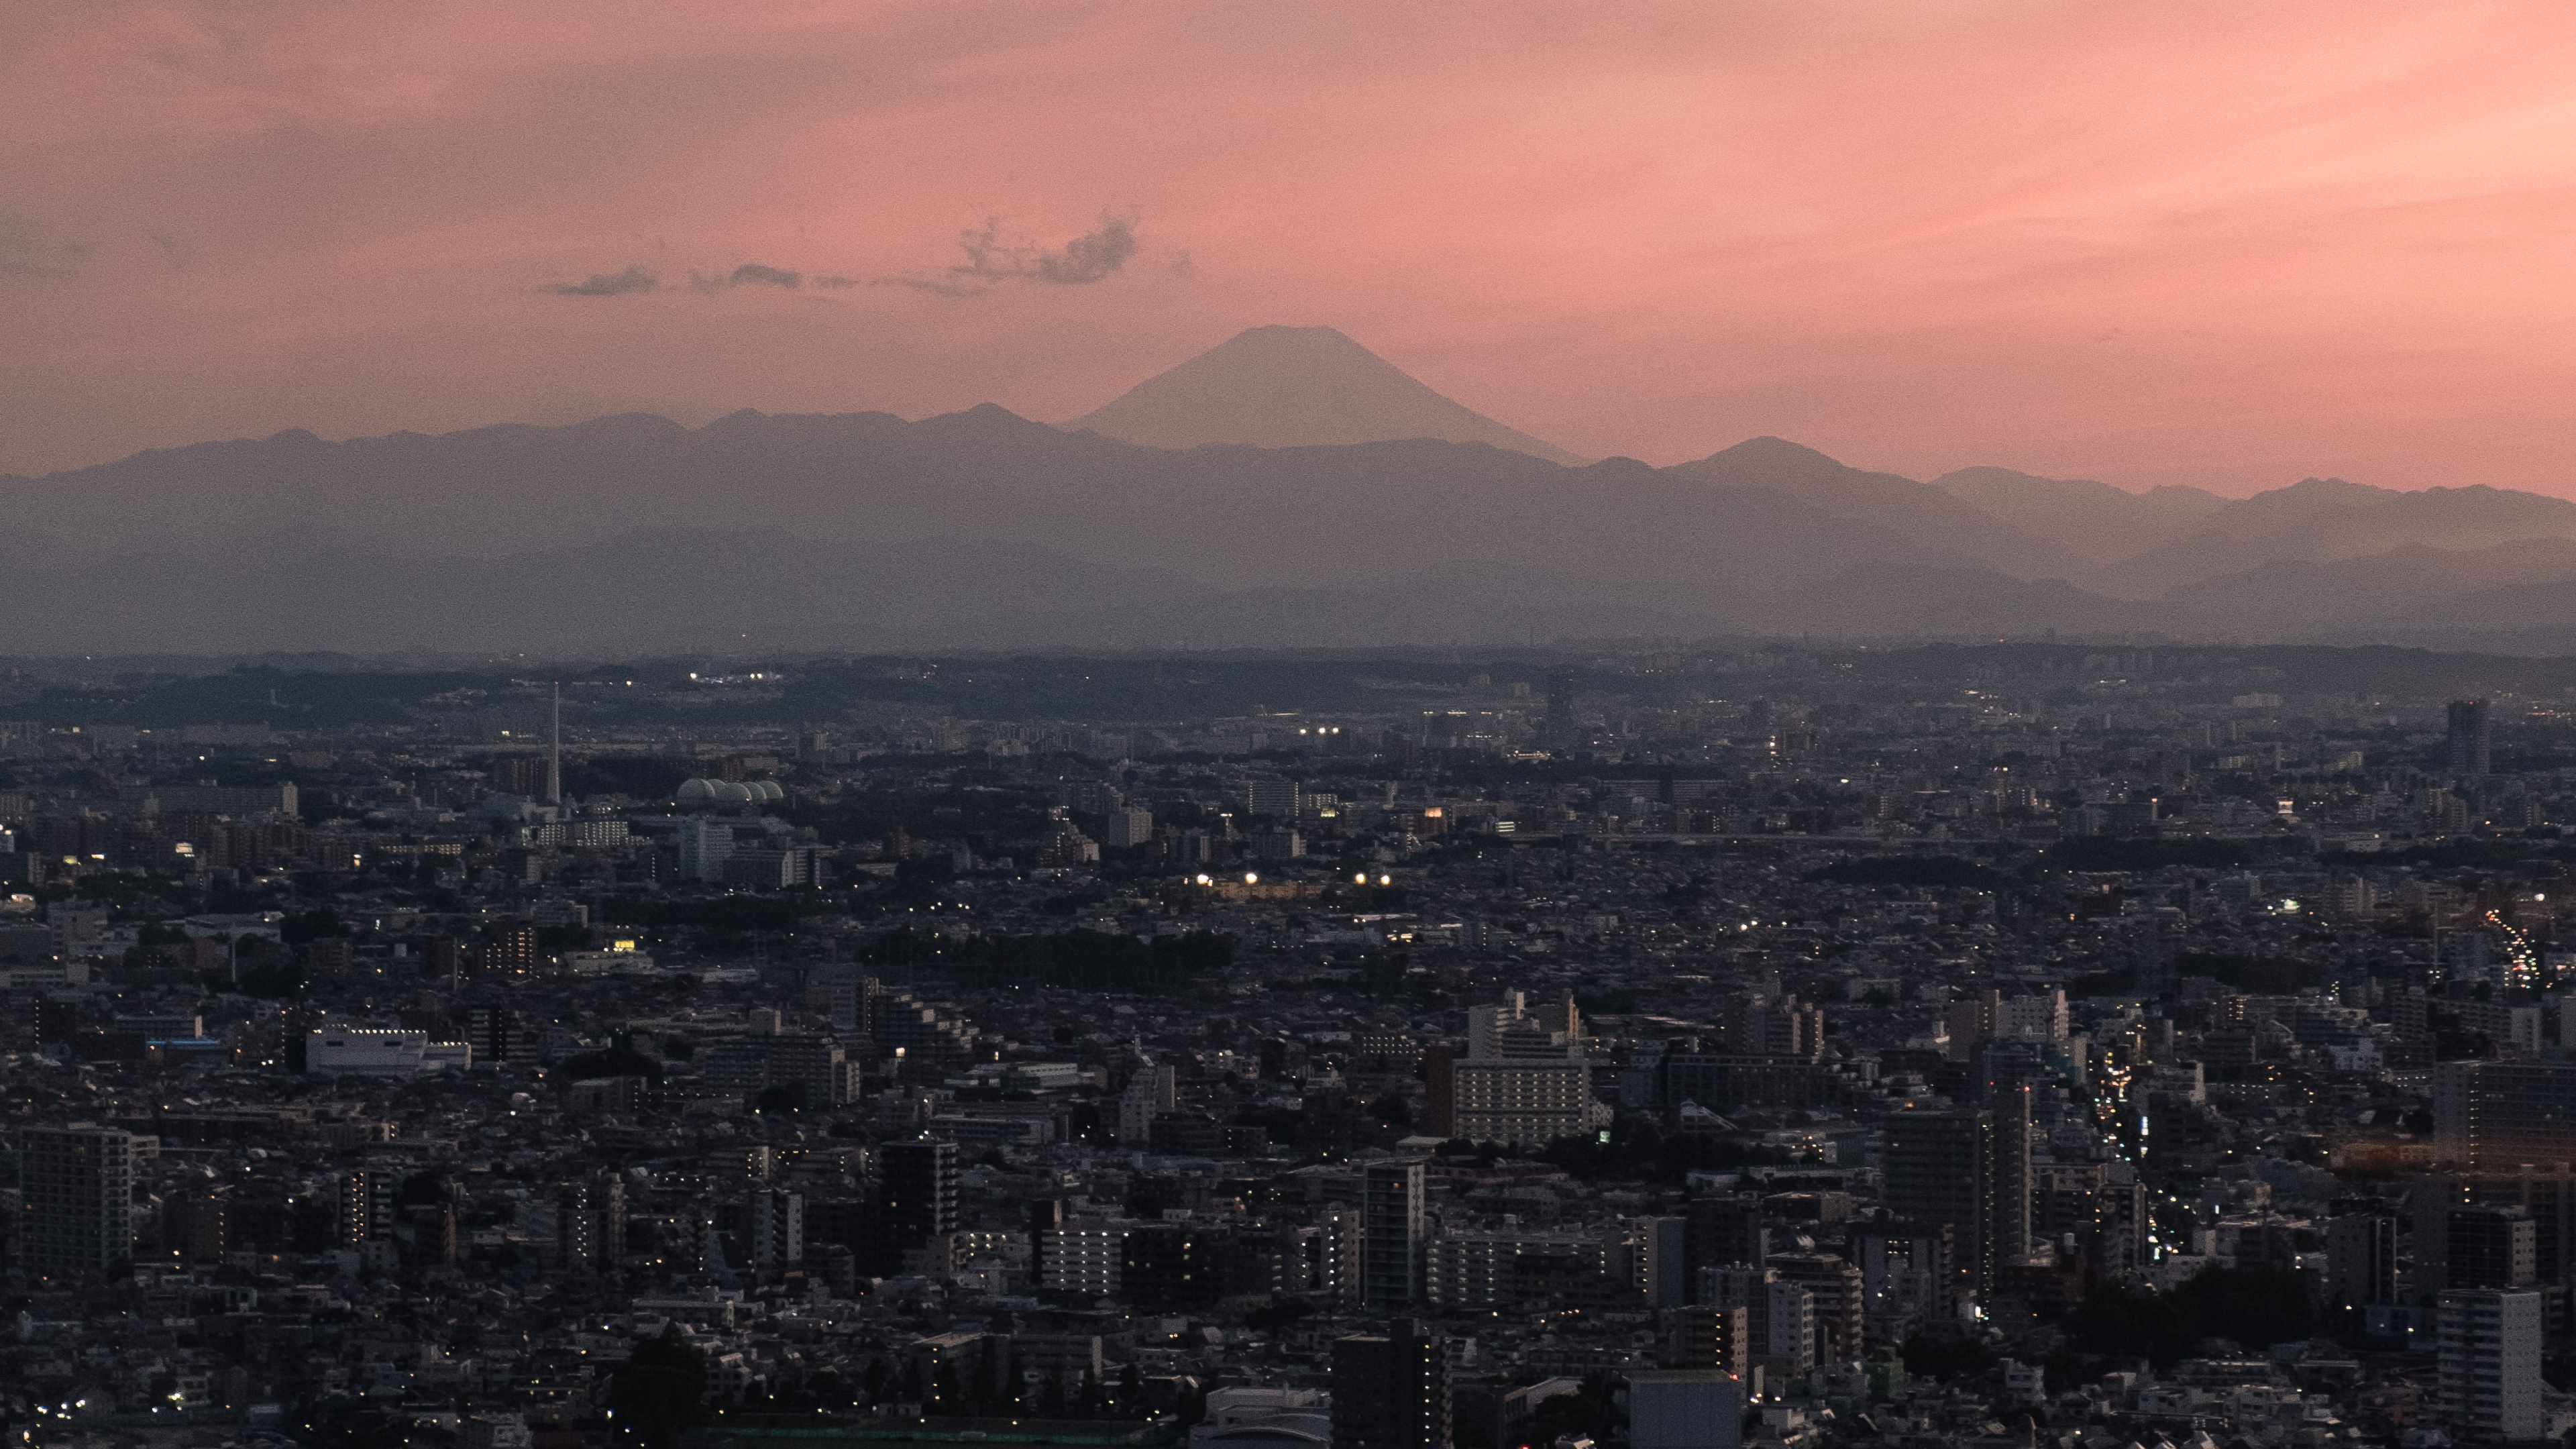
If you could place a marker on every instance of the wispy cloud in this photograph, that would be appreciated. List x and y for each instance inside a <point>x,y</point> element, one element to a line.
<point>994,257</point>
<point>608,284</point>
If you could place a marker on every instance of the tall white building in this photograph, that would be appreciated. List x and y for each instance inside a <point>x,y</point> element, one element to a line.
<point>2488,1390</point>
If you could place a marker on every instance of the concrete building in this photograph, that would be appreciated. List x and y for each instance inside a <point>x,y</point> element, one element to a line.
<point>1391,1235</point>
<point>1392,1391</point>
<point>1684,1409</point>
<point>2489,1383</point>
<point>78,1183</point>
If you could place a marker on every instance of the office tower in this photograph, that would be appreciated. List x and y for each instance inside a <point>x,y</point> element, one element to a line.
<point>2468,743</point>
<point>1390,1235</point>
<point>2501,1114</point>
<point>2488,1385</point>
<point>2361,1259</point>
<point>1391,1392</point>
<point>1150,1093</point>
<point>78,1185</point>
<point>1966,1170</point>
<point>916,1198</point>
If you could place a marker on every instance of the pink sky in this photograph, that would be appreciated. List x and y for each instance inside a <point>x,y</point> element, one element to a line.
<point>2225,244</point>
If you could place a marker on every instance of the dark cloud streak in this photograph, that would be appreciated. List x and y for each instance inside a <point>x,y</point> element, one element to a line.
<point>608,284</point>
<point>749,274</point>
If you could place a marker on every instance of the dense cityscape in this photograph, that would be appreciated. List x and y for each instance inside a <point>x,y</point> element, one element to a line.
<point>1777,1043</point>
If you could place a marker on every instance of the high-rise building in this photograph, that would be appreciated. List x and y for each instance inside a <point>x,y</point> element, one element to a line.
<point>510,948</point>
<point>1391,1392</point>
<point>1129,825</point>
<point>1560,708</point>
<point>2468,743</point>
<point>1906,1276</point>
<point>1722,1231</point>
<point>2489,1385</point>
<point>1833,1283</point>
<point>2489,1247</point>
<point>2545,1190</point>
<point>1391,1237</point>
<point>1780,1316</point>
<point>1772,1025</point>
<point>1524,1081</point>
<point>1270,795</point>
<point>78,1185</point>
<point>706,843</point>
<point>773,1228</point>
<point>1150,1093</point>
<point>194,1227</point>
<point>1667,1262</point>
<point>367,1205</point>
<point>2499,1114</point>
<point>1970,1170</point>
<point>2361,1258</point>
<point>916,1198</point>
<point>1705,1336</point>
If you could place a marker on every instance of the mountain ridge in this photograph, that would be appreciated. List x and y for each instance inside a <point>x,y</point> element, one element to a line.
<point>984,528</point>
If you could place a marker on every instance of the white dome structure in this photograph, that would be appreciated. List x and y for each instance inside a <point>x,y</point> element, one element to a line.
<point>695,792</point>
<point>731,792</point>
<point>767,792</point>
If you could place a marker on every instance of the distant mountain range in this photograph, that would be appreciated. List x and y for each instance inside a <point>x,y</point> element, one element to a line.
<point>1288,488</point>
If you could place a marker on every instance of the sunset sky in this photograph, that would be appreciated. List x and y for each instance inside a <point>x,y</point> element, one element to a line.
<point>2225,244</point>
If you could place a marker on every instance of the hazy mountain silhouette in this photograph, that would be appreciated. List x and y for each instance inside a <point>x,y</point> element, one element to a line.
<point>1884,500</point>
<point>2325,519</point>
<point>983,529</point>
<point>2082,520</point>
<point>1295,387</point>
